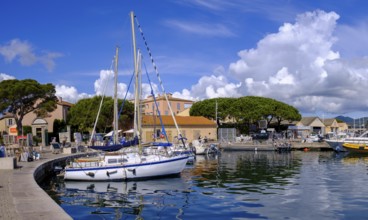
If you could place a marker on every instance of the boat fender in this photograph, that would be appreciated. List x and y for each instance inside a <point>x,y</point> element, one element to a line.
<point>112,172</point>
<point>90,174</point>
<point>132,170</point>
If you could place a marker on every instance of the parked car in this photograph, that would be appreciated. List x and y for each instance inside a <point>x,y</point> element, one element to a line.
<point>260,136</point>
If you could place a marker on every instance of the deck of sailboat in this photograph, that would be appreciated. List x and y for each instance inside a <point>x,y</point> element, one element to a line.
<point>87,159</point>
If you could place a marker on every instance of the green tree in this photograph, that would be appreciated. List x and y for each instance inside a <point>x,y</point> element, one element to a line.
<point>246,111</point>
<point>83,114</point>
<point>249,109</point>
<point>20,97</point>
<point>58,126</point>
<point>27,129</point>
<point>207,108</point>
<point>286,112</point>
<point>254,108</point>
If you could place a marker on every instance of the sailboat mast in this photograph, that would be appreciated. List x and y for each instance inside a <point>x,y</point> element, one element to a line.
<point>216,108</point>
<point>162,87</point>
<point>139,93</point>
<point>136,94</point>
<point>116,96</point>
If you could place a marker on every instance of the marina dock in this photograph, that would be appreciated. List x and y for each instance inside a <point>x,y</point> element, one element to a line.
<point>269,146</point>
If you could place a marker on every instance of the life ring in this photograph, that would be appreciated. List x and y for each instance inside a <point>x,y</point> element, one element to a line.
<point>162,136</point>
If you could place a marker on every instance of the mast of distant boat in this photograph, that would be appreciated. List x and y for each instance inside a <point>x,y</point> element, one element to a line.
<point>116,117</point>
<point>216,115</point>
<point>136,92</point>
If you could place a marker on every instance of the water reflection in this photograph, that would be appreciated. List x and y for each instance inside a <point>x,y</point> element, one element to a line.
<point>244,173</point>
<point>124,198</point>
<point>234,185</point>
<point>140,187</point>
<point>353,158</point>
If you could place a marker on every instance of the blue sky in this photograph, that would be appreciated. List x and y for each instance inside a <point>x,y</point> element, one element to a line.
<point>309,54</point>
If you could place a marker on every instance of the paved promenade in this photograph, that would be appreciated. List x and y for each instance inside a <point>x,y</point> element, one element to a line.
<point>22,198</point>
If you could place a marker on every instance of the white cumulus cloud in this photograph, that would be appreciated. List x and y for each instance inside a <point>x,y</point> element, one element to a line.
<point>69,93</point>
<point>4,76</point>
<point>24,53</point>
<point>210,87</point>
<point>298,65</point>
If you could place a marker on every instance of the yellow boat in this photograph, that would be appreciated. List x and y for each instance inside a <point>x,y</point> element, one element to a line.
<point>356,147</point>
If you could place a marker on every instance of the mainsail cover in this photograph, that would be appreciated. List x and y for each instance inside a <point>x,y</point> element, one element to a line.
<point>116,147</point>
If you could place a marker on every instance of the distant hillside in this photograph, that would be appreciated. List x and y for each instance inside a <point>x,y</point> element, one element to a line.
<point>348,120</point>
<point>351,122</point>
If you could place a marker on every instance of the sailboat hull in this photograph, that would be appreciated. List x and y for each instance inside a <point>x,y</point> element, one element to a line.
<point>149,167</point>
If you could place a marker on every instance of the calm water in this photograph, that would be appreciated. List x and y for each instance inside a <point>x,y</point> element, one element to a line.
<point>234,185</point>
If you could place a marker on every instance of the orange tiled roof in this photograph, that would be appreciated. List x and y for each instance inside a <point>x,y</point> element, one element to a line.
<point>181,120</point>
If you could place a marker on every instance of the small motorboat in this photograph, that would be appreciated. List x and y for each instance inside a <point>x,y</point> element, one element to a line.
<point>356,147</point>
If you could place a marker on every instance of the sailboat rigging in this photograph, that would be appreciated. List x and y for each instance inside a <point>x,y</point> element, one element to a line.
<point>125,162</point>
<point>115,145</point>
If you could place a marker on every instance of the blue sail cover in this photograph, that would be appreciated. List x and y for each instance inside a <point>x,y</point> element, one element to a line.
<point>116,147</point>
<point>161,144</point>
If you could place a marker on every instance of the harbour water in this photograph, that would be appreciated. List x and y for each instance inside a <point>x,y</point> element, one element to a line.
<point>233,185</point>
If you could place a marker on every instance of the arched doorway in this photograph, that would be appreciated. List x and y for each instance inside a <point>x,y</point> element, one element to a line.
<point>39,129</point>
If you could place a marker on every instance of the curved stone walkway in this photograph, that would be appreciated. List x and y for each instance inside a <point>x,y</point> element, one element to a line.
<point>7,208</point>
<point>22,198</point>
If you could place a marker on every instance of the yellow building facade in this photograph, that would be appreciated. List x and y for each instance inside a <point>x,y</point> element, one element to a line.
<point>191,127</point>
<point>177,105</point>
<point>39,125</point>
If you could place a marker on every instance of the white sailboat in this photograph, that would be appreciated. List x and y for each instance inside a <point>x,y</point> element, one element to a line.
<point>141,161</point>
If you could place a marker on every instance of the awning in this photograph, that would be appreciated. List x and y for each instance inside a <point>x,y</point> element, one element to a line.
<point>110,133</point>
<point>130,131</point>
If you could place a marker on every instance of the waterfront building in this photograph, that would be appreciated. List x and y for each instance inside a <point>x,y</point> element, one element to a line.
<point>177,105</point>
<point>191,127</point>
<point>185,112</point>
<point>306,127</point>
<point>6,121</point>
<point>41,126</point>
<point>315,125</point>
<point>331,125</point>
<point>343,126</point>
